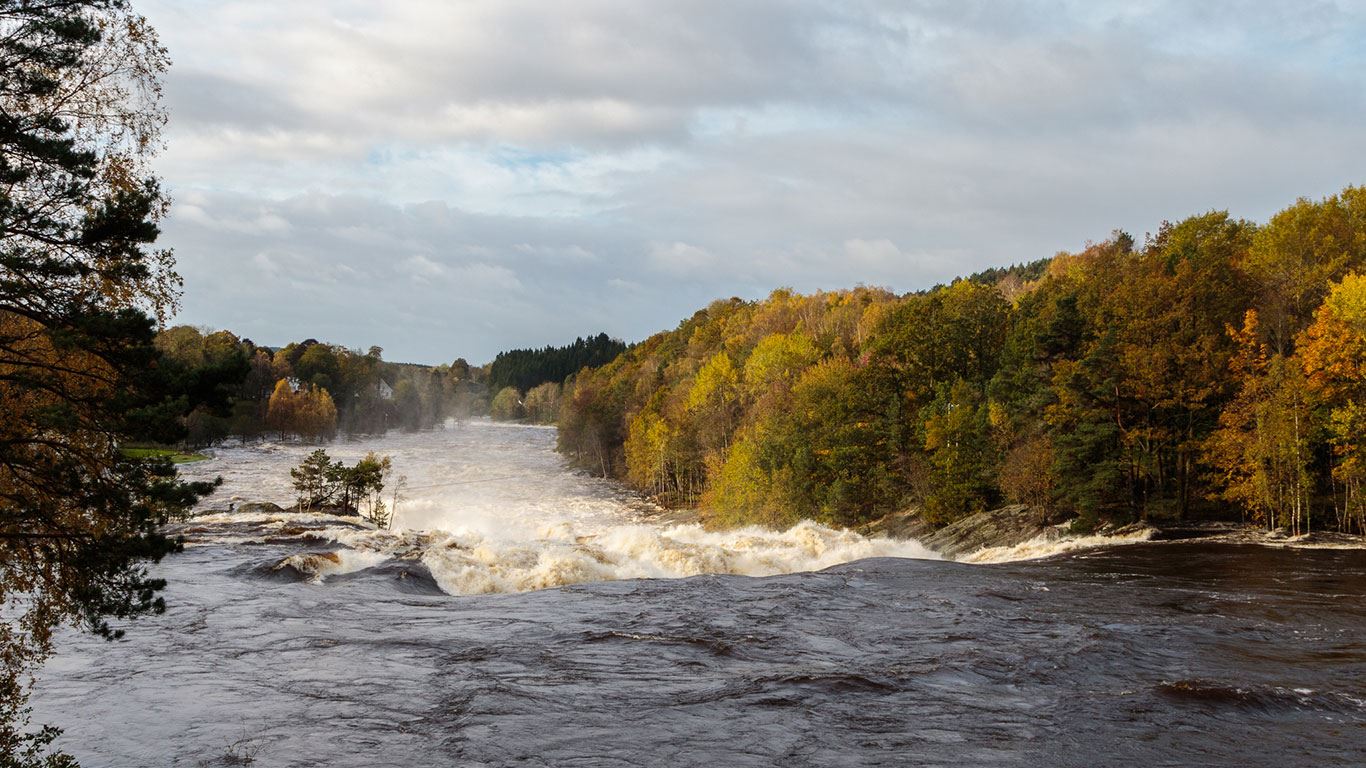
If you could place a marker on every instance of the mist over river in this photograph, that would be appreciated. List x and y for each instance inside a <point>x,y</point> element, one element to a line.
<point>524,614</point>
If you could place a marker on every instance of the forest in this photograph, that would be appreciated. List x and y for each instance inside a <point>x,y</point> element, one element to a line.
<point>217,385</point>
<point>526,369</point>
<point>213,385</point>
<point>1217,370</point>
<point>526,383</point>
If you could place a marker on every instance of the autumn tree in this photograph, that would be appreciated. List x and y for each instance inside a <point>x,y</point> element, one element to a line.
<point>1101,386</point>
<point>830,454</point>
<point>542,404</point>
<point>1332,352</point>
<point>1297,254</point>
<point>649,440</point>
<point>307,411</point>
<point>1164,317</point>
<point>713,407</point>
<point>778,360</point>
<point>506,405</point>
<point>590,425</point>
<point>1261,447</point>
<point>79,206</point>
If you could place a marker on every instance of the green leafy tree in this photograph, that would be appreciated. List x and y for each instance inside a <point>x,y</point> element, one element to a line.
<point>506,405</point>
<point>408,403</point>
<point>958,440</point>
<point>364,484</point>
<point>318,365</point>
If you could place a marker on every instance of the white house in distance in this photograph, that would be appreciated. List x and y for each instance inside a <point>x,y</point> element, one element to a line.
<point>386,392</point>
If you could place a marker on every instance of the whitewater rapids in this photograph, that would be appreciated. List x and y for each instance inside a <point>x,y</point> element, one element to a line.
<point>489,507</point>
<point>301,640</point>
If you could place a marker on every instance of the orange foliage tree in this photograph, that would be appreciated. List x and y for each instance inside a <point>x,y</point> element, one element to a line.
<point>1332,351</point>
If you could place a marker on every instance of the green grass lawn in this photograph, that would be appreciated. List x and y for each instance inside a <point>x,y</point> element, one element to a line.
<point>176,457</point>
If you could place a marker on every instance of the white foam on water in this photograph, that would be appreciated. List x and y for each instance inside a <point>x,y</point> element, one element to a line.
<point>1040,547</point>
<point>469,562</point>
<point>491,508</point>
<point>320,565</point>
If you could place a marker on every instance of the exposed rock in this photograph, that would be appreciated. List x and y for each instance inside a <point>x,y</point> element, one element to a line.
<point>259,507</point>
<point>246,508</point>
<point>311,565</point>
<point>1196,530</point>
<point>673,515</point>
<point>906,524</point>
<point>1004,527</point>
<point>336,510</point>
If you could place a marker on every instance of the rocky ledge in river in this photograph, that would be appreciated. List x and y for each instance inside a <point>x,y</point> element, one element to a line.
<point>1004,527</point>
<point>1019,524</point>
<point>261,522</point>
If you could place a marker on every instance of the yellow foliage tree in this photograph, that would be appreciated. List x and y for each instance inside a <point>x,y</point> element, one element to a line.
<point>778,360</point>
<point>1332,352</point>
<point>1261,447</point>
<point>308,412</point>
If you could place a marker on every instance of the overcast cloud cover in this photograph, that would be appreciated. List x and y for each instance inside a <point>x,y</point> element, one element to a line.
<point>455,178</point>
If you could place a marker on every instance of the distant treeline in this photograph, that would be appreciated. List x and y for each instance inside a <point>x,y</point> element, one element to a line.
<point>1217,369</point>
<point>229,387</point>
<point>525,369</point>
<point>526,382</point>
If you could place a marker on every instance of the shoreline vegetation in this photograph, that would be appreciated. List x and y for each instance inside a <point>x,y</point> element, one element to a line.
<point>1018,532</point>
<point>173,455</point>
<point>1010,534</point>
<point>218,386</point>
<point>1214,373</point>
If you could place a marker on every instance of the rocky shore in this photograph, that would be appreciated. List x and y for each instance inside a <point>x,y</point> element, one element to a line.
<point>1010,533</point>
<point>1005,527</point>
<point>1020,527</point>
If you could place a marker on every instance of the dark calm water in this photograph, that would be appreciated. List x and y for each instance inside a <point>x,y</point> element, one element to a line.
<point>1143,655</point>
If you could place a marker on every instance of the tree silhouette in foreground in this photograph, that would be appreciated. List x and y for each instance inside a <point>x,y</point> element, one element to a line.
<point>79,120</point>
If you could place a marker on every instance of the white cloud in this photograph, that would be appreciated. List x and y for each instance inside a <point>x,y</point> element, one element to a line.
<point>509,172</point>
<point>419,266</point>
<point>682,260</point>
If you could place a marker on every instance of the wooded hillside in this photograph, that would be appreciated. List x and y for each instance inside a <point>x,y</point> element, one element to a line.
<point>1217,369</point>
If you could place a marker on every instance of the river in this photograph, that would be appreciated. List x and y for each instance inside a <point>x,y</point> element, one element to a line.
<point>523,614</point>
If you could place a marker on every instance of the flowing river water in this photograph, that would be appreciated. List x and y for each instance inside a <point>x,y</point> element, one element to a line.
<point>523,614</point>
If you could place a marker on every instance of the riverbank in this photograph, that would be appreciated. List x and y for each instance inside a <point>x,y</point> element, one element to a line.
<point>491,508</point>
<point>1019,532</point>
<point>176,455</point>
<point>1009,534</point>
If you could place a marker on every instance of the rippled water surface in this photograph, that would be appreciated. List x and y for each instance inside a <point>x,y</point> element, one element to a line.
<point>301,641</point>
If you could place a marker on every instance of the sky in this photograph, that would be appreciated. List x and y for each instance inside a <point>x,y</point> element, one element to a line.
<point>452,178</point>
